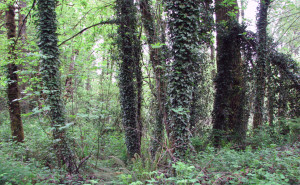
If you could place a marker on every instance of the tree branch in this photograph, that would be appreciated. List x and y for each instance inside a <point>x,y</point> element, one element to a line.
<point>83,30</point>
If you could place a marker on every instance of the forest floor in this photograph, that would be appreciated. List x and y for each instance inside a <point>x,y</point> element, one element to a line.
<point>266,160</point>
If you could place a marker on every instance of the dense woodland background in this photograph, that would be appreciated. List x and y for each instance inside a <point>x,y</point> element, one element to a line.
<point>149,92</point>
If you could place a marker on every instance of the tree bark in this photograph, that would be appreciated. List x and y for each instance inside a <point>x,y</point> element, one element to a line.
<point>69,80</point>
<point>139,89</point>
<point>201,88</point>
<point>158,64</point>
<point>22,22</point>
<point>229,106</point>
<point>13,91</point>
<point>271,95</point>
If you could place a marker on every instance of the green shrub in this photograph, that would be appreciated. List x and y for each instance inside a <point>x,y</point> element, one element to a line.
<point>15,172</point>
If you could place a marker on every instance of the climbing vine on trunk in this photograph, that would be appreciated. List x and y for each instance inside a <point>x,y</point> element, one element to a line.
<point>130,52</point>
<point>49,68</point>
<point>182,21</point>
<point>262,56</point>
<point>229,106</point>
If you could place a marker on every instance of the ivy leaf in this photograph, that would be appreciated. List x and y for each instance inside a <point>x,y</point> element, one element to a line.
<point>66,126</point>
<point>157,45</point>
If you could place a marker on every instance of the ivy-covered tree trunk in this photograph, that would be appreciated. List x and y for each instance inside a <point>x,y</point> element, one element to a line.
<point>130,51</point>
<point>283,105</point>
<point>182,21</point>
<point>139,89</point>
<point>158,64</point>
<point>261,62</point>
<point>13,91</point>
<point>229,105</point>
<point>49,68</point>
<point>271,94</point>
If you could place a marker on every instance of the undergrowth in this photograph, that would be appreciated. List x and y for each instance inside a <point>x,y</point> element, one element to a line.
<point>269,157</point>
<point>272,165</point>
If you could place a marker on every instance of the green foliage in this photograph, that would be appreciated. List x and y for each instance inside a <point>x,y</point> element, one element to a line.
<point>93,113</point>
<point>15,172</point>
<point>157,45</point>
<point>272,165</point>
<point>185,174</point>
<point>116,146</point>
<point>282,131</point>
<point>200,143</point>
<point>28,162</point>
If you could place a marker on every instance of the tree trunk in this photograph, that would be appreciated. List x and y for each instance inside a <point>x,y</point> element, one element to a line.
<point>130,52</point>
<point>158,64</point>
<point>271,95</point>
<point>283,105</point>
<point>229,105</point>
<point>201,88</point>
<point>22,22</point>
<point>261,63</point>
<point>25,105</point>
<point>139,89</point>
<point>51,78</point>
<point>13,91</point>
<point>183,27</point>
<point>69,80</point>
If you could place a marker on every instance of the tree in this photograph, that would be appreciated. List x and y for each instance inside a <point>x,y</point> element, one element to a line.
<point>51,78</point>
<point>262,51</point>
<point>69,80</point>
<point>23,37</point>
<point>182,21</point>
<point>13,91</point>
<point>229,105</point>
<point>203,86</point>
<point>158,63</point>
<point>130,52</point>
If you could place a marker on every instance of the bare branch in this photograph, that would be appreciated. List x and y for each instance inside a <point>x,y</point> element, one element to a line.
<point>85,29</point>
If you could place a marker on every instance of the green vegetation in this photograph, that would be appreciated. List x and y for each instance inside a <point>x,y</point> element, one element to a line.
<point>266,160</point>
<point>148,92</point>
